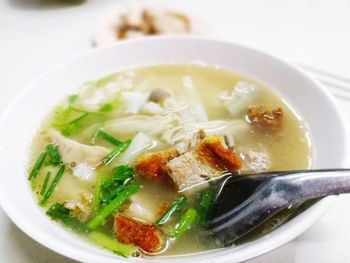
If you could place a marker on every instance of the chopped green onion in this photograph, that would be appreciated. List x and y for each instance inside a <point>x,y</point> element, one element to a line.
<point>206,200</point>
<point>53,185</point>
<point>109,209</point>
<point>97,195</point>
<point>118,150</point>
<point>106,107</point>
<point>94,135</point>
<point>84,115</point>
<point>46,180</point>
<point>108,138</point>
<point>187,219</point>
<point>72,98</point>
<point>39,162</point>
<point>124,250</point>
<point>54,155</point>
<point>176,205</point>
<point>72,127</point>
<point>60,213</point>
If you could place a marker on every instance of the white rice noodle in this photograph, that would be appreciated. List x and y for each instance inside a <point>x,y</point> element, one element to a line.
<point>171,129</point>
<point>195,110</point>
<point>139,145</point>
<point>224,128</point>
<point>241,98</point>
<point>75,152</point>
<point>152,125</point>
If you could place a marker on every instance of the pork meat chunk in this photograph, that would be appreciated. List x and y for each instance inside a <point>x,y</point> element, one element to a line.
<point>208,159</point>
<point>186,171</point>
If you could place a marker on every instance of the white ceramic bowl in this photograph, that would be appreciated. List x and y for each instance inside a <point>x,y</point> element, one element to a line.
<point>310,100</point>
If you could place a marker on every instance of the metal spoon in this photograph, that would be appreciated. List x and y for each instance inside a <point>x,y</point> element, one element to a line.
<point>246,201</point>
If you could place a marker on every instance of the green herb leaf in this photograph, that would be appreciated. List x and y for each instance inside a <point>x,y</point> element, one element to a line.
<point>111,186</point>
<point>109,195</point>
<point>61,117</point>
<point>120,175</point>
<point>54,155</point>
<point>60,213</point>
<point>111,208</point>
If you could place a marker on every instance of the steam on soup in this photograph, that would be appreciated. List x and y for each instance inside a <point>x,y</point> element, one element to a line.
<point>128,161</point>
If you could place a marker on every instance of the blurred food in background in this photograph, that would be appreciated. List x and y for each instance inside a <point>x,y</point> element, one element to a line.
<point>145,20</point>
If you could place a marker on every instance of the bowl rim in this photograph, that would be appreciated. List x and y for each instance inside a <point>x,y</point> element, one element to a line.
<point>283,234</point>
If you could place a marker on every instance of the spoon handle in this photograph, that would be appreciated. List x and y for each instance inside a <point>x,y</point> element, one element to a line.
<point>276,193</point>
<point>303,185</point>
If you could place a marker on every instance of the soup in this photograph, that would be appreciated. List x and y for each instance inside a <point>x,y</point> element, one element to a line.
<point>128,162</point>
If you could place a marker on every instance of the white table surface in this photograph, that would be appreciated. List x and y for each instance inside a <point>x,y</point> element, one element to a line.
<point>34,37</point>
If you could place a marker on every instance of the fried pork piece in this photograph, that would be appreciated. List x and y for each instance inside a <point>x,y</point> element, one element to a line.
<point>152,166</point>
<point>210,156</point>
<point>265,117</point>
<point>146,237</point>
<point>213,151</point>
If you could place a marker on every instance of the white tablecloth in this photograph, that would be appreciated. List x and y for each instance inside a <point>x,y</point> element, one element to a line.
<point>34,37</point>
